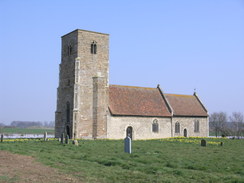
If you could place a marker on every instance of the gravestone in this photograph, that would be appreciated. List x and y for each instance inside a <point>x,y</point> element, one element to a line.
<point>45,136</point>
<point>203,143</point>
<point>62,138</point>
<point>127,145</point>
<point>67,139</point>
<point>1,137</point>
<point>75,142</point>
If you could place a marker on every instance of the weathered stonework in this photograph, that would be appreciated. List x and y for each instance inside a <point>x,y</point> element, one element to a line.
<point>83,98</point>
<point>188,124</point>
<point>77,70</point>
<point>100,107</point>
<point>142,127</point>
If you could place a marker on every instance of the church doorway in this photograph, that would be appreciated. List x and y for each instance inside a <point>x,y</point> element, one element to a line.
<point>185,132</point>
<point>129,132</point>
<point>68,131</point>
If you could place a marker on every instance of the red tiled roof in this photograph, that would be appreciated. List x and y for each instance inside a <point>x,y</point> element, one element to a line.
<point>185,105</point>
<point>136,101</point>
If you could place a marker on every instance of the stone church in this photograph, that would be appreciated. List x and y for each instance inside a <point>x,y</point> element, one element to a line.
<point>89,108</point>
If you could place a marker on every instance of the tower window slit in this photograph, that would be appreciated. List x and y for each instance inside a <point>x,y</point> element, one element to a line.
<point>93,48</point>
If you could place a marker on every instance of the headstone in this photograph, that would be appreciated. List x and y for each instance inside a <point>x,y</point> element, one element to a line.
<point>45,136</point>
<point>1,137</point>
<point>127,145</point>
<point>203,143</point>
<point>59,139</point>
<point>62,138</point>
<point>67,139</point>
<point>75,142</point>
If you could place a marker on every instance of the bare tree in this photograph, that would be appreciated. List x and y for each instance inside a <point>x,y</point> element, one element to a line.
<point>218,123</point>
<point>238,123</point>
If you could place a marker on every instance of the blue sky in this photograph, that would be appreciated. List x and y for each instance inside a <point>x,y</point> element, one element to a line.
<point>180,45</point>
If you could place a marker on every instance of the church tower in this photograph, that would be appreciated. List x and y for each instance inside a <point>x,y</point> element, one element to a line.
<point>82,94</point>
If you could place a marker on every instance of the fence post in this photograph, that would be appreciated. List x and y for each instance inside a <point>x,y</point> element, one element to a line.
<point>45,136</point>
<point>1,137</point>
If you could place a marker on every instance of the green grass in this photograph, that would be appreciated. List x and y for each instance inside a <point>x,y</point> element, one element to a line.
<point>9,180</point>
<point>151,161</point>
<point>26,130</point>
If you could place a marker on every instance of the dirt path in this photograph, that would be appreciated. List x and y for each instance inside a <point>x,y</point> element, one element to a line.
<point>24,169</point>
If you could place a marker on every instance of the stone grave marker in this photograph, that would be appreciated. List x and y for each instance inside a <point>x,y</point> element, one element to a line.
<point>203,143</point>
<point>67,139</point>
<point>127,145</point>
<point>62,138</point>
<point>75,142</point>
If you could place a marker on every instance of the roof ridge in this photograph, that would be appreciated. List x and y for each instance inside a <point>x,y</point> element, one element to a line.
<point>166,101</point>
<point>126,86</point>
<point>198,99</point>
<point>179,95</point>
<point>83,30</point>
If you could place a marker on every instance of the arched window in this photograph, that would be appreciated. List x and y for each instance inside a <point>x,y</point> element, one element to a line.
<point>67,112</point>
<point>177,127</point>
<point>155,126</point>
<point>93,48</point>
<point>196,126</point>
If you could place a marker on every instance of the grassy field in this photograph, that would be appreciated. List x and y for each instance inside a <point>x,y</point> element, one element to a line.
<point>166,160</point>
<point>26,130</point>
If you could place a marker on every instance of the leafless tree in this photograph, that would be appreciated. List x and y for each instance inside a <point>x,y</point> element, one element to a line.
<point>218,123</point>
<point>238,123</point>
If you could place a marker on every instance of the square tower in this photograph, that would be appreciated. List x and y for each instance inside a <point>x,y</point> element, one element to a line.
<point>82,94</point>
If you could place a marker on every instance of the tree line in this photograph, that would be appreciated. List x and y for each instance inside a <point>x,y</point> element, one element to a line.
<point>28,124</point>
<point>223,125</point>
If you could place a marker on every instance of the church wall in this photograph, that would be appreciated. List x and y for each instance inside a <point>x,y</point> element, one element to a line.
<point>188,123</point>
<point>100,100</point>
<point>89,123</point>
<point>65,89</point>
<point>142,127</point>
<point>83,84</point>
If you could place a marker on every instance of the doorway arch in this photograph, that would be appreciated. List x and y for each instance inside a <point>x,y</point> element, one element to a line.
<point>185,132</point>
<point>129,132</point>
<point>68,131</point>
